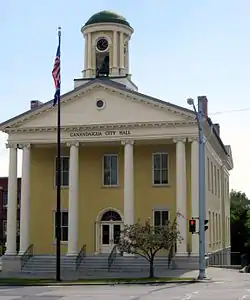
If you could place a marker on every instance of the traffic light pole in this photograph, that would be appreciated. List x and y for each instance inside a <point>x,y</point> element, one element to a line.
<point>202,267</point>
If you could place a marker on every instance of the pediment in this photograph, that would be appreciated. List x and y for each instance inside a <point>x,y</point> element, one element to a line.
<point>120,107</point>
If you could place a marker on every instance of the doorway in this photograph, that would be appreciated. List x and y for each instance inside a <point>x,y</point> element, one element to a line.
<point>111,223</point>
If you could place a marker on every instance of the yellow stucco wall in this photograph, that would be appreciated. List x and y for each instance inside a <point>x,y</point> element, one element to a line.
<point>93,197</point>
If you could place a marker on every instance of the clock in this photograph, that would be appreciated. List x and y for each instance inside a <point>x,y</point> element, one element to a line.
<point>102,44</point>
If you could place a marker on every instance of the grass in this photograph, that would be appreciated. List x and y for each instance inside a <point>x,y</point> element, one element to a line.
<point>41,281</point>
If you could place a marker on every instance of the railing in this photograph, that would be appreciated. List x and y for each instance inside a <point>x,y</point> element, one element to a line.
<point>225,259</point>
<point>27,255</point>
<point>112,257</point>
<point>80,256</point>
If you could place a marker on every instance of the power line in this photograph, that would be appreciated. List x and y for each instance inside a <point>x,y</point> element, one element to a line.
<point>230,111</point>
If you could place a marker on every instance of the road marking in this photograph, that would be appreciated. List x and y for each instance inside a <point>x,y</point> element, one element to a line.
<point>189,296</point>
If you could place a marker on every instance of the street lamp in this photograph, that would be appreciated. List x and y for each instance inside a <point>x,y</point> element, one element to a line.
<point>199,117</point>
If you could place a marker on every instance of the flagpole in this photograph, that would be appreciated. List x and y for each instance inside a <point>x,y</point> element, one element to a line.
<point>58,192</point>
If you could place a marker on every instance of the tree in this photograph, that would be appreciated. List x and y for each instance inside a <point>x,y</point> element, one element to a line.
<point>146,240</point>
<point>240,222</point>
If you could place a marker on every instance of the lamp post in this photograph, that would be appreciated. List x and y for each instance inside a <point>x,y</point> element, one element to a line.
<point>199,116</point>
<point>2,219</point>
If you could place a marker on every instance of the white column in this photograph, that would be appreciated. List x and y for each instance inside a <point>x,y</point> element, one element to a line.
<point>181,194</point>
<point>195,192</point>
<point>89,49</point>
<point>128,182</point>
<point>73,199</point>
<point>85,56</point>
<point>121,53</point>
<point>25,200</point>
<point>12,201</point>
<point>114,67</point>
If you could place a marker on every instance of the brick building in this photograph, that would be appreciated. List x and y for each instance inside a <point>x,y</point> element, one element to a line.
<point>3,209</point>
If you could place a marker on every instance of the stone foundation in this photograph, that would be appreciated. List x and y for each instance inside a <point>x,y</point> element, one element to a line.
<point>220,258</point>
<point>11,263</point>
<point>185,262</point>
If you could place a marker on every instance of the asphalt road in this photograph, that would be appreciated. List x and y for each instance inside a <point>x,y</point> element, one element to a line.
<point>235,286</point>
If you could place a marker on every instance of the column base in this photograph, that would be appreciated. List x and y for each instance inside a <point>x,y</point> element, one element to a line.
<point>72,254</point>
<point>181,254</point>
<point>10,253</point>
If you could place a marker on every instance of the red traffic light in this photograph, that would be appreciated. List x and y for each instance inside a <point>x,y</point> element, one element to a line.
<point>192,226</point>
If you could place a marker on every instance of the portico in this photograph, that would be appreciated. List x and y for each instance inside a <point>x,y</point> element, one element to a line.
<point>128,147</point>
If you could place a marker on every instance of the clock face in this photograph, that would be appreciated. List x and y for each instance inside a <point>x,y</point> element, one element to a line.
<point>102,44</point>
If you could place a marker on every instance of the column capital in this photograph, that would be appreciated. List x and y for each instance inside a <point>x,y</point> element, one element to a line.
<point>11,145</point>
<point>125,142</point>
<point>179,139</point>
<point>22,146</point>
<point>193,139</point>
<point>73,143</point>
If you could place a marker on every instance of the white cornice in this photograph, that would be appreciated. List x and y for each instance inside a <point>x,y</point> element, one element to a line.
<point>103,127</point>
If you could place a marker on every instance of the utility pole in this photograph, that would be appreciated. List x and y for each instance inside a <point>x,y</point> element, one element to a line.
<point>199,117</point>
<point>202,266</point>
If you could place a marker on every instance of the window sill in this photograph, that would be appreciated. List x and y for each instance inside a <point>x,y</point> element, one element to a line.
<point>161,185</point>
<point>63,187</point>
<point>62,243</point>
<point>110,186</point>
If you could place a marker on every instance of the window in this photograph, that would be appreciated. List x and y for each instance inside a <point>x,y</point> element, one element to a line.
<point>110,170</point>
<point>160,168</point>
<point>5,198</point>
<point>218,185</point>
<point>208,173</point>
<point>161,217</point>
<point>64,171</point>
<point>215,180</point>
<point>212,178</point>
<point>209,229</point>
<point>64,226</point>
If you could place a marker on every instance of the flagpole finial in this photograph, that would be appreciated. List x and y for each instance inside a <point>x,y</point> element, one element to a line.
<point>59,30</point>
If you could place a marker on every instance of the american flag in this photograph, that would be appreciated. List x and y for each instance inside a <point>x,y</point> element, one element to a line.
<point>56,72</point>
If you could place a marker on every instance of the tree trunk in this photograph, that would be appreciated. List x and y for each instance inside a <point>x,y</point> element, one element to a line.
<point>151,268</point>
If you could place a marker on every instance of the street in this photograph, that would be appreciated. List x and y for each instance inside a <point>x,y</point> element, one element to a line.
<point>233,286</point>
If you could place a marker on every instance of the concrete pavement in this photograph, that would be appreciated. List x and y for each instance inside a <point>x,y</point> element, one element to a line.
<point>226,285</point>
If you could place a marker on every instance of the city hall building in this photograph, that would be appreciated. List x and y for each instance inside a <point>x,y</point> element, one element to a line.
<point>125,156</point>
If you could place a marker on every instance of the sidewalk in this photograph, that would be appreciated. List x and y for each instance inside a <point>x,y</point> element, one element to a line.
<point>220,274</point>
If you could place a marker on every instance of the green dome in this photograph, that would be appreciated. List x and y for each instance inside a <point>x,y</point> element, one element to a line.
<point>106,16</point>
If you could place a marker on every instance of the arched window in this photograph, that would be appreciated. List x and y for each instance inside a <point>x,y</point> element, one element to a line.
<point>111,215</point>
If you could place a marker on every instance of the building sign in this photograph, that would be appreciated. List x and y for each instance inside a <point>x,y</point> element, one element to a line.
<point>107,133</point>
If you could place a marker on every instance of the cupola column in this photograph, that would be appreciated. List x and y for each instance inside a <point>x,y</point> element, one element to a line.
<point>115,52</point>
<point>88,71</point>
<point>121,54</point>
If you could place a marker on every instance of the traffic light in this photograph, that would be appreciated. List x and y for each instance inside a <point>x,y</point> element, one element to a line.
<point>192,226</point>
<point>205,226</point>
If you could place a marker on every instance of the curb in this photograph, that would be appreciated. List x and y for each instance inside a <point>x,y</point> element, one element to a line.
<point>102,283</point>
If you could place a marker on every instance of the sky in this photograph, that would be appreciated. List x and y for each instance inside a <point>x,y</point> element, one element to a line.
<point>179,49</point>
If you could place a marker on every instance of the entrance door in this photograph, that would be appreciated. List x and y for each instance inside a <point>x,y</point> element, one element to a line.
<point>110,234</point>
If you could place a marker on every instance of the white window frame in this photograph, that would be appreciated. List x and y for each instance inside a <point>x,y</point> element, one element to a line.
<point>153,169</point>
<point>117,171</point>
<point>62,171</point>
<point>54,225</point>
<point>160,210</point>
